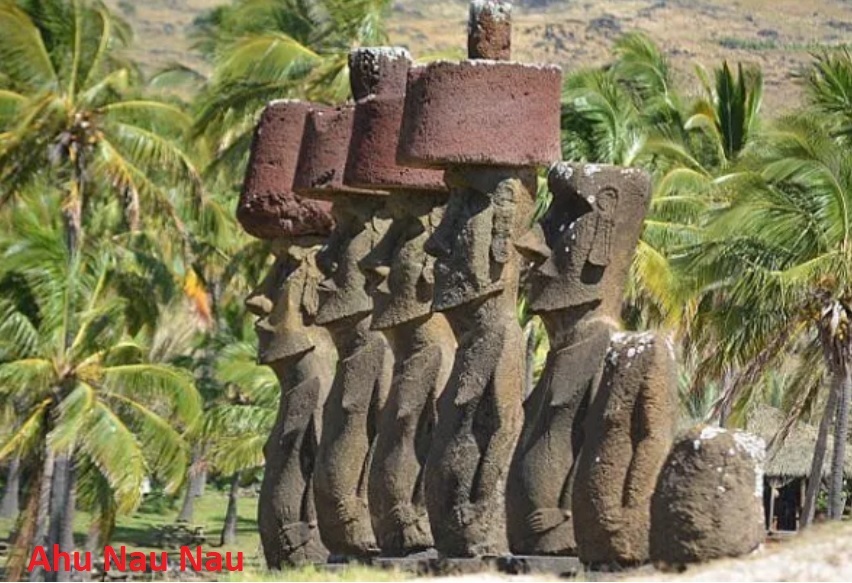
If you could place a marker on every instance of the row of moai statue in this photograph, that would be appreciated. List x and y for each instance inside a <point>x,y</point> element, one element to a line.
<point>402,226</point>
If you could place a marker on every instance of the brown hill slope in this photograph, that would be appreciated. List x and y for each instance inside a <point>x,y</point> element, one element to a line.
<point>776,34</point>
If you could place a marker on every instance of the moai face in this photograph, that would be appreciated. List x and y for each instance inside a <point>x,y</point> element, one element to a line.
<point>587,237</point>
<point>473,244</point>
<point>286,302</point>
<point>361,223</point>
<point>400,273</point>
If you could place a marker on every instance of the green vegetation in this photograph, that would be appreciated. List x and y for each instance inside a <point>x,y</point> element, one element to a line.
<point>126,356</point>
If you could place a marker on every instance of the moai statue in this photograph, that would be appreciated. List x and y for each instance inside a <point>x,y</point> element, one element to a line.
<point>299,351</point>
<point>489,124</point>
<point>401,281</point>
<point>629,430</point>
<point>582,250</point>
<point>362,379</point>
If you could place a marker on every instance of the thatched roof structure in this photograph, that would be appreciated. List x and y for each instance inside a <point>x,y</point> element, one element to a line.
<point>792,458</point>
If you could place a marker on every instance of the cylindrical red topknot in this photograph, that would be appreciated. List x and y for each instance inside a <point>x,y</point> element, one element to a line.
<point>325,148</point>
<point>490,113</point>
<point>489,34</point>
<point>267,208</point>
<point>380,71</point>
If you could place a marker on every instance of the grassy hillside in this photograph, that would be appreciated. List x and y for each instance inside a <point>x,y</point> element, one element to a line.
<point>777,34</point>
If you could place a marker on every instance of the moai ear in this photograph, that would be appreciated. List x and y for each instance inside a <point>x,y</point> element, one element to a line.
<point>503,201</point>
<point>605,204</point>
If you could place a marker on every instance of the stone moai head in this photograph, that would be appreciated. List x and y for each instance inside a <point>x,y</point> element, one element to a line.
<point>489,124</point>
<point>584,244</point>
<point>286,301</point>
<point>360,215</point>
<point>399,272</point>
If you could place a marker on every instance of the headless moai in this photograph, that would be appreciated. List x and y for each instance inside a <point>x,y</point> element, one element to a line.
<point>364,368</point>
<point>708,503</point>
<point>290,343</point>
<point>400,277</point>
<point>628,432</point>
<point>582,250</point>
<point>489,124</point>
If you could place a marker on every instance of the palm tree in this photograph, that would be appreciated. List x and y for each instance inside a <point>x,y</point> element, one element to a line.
<point>774,267</point>
<point>72,117</point>
<point>97,414</point>
<point>269,49</point>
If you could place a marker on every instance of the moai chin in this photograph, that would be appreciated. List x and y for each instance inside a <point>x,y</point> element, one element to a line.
<point>400,280</point>
<point>365,364</point>
<point>489,124</point>
<point>290,343</point>
<point>581,251</point>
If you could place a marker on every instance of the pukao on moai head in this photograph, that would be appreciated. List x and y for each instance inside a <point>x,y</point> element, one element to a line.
<point>581,252</point>
<point>489,124</point>
<point>365,362</point>
<point>400,277</point>
<point>288,340</point>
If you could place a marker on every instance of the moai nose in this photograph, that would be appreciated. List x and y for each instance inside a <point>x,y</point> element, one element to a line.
<point>259,304</point>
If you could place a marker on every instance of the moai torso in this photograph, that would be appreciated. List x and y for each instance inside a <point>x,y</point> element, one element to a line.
<point>489,123</point>
<point>582,252</point>
<point>301,354</point>
<point>400,281</point>
<point>298,351</point>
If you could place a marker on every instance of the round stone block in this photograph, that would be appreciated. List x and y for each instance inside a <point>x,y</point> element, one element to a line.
<point>372,154</point>
<point>480,112</point>
<point>380,71</point>
<point>325,148</point>
<point>268,208</point>
<point>708,503</point>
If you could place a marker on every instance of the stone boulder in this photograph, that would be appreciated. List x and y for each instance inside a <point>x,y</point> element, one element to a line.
<point>709,498</point>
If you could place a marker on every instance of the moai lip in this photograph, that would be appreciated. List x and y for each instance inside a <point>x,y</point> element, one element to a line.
<point>325,148</point>
<point>268,208</point>
<point>378,76</point>
<point>490,30</point>
<point>480,112</point>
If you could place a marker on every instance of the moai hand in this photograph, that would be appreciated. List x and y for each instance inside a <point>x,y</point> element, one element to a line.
<point>581,254</point>
<point>488,124</point>
<point>363,374</point>
<point>289,341</point>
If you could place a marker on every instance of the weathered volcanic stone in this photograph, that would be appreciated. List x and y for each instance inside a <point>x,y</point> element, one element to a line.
<point>709,498</point>
<point>380,75</point>
<point>481,112</point>
<point>490,30</point>
<point>325,148</point>
<point>268,209</point>
<point>581,251</point>
<point>629,431</point>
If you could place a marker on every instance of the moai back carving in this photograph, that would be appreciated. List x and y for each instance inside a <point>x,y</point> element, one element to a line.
<point>581,252</point>
<point>364,368</point>
<point>489,124</point>
<point>289,342</point>
<point>400,281</point>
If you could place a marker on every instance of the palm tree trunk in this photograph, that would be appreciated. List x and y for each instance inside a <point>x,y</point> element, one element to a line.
<point>187,511</point>
<point>43,510</point>
<point>10,505</point>
<point>841,431</point>
<point>820,449</point>
<point>61,529</point>
<point>229,530</point>
<point>25,528</point>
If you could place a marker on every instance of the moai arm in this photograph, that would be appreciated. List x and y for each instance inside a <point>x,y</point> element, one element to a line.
<point>655,428</point>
